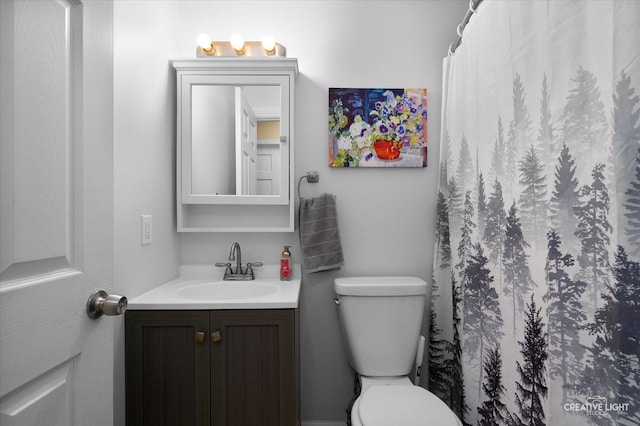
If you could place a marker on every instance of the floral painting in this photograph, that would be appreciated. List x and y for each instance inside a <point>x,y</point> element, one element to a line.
<point>377,127</point>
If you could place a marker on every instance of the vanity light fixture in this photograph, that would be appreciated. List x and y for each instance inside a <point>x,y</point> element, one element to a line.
<point>238,47</point>
<point>206,45</point>
<point>237,42</point>
<point>269,45</point>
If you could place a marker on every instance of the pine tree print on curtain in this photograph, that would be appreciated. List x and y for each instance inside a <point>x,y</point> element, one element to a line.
<point>624,151</point>
<point>493,411</point>
<point>532,384</point>
<point>536,299</point>
<point>565,314</point>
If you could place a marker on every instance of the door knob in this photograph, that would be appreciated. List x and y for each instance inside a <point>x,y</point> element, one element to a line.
<point>100,303</point>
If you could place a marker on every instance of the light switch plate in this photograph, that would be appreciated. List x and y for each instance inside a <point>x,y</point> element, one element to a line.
<point>146,229</point>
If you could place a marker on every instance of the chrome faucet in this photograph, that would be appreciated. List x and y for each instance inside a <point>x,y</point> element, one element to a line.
<point>235,248</point>
<point>235,254</point>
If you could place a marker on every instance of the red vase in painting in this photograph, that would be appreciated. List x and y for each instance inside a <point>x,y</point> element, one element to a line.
<point>387,150</point>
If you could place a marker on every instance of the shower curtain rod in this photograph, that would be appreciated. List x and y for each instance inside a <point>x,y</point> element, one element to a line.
<point>473,7</point>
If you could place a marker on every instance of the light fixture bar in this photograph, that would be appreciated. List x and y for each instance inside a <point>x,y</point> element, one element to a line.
<point>251,48</point>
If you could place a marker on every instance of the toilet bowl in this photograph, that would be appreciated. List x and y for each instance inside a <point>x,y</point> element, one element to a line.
<point>381,318</point>
<point>397,402</point>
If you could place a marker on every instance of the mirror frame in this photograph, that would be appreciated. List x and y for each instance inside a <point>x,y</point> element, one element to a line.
<point>216,213</point>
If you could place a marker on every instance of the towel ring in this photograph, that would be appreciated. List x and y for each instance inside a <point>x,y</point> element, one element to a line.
<point>312,177</point>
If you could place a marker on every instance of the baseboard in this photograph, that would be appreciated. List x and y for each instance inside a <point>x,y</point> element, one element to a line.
<point>324,424</point>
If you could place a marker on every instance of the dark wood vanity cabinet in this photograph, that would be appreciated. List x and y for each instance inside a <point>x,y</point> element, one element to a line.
<point>225,367</point>
<point>167,370</point>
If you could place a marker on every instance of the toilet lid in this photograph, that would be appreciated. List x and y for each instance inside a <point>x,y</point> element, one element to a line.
<point>404,405</point>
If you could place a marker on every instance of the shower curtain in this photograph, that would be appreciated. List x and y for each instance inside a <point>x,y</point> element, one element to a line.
<point>535,313</point>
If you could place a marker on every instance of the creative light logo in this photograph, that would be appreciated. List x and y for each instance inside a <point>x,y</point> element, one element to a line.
<point>596,405</point>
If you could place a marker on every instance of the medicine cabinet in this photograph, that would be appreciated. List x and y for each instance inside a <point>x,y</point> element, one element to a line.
<point>235,144</point>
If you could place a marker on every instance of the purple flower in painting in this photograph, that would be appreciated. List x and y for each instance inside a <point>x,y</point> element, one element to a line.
<point>378,105</point>
<point>366,154</point>
<point>383,129</point>
<point>392,125</point>
<point>400,107</point>
<point>401,130</point>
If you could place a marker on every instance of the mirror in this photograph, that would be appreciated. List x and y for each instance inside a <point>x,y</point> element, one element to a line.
<point>234,131</point>
<point>235,140</point>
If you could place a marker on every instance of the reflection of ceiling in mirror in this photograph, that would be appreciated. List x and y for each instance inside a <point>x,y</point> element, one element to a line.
<point>265,100</point>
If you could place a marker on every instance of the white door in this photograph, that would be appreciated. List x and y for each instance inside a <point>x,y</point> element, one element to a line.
<point>268,167</point>
<point>246,146</point>
<point>56,211</point>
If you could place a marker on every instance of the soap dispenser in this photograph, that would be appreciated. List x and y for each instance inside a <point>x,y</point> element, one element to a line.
<point>285,264</point>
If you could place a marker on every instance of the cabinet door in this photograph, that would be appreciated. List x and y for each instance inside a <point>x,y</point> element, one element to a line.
<point>253,368</point>
<point>167,368</point>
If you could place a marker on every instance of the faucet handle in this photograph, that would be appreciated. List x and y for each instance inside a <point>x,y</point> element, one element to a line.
<point>250,266</point>
<point>224,265</point>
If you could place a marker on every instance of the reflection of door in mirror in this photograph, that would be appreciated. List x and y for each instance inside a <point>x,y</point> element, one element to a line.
<point>247,148</point>
<point>266,104</point>
<point>213,140</point>
<point>268,172</point>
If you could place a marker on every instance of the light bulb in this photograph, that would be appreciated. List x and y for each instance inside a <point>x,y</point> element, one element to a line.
<point>204,41</point>
<point>237,42</point>
<point>269,44</point>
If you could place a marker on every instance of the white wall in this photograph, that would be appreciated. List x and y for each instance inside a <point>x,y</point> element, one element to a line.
<point>144,159</point>
<point>387,217</point>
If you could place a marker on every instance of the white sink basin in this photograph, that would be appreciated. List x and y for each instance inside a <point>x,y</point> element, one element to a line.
<point>226,290</point>
<point>202,287</point>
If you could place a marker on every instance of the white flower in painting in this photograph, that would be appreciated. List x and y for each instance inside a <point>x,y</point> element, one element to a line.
<point>363,142</point>
<point>360,132</point>
<point>359,127</point>
<point>344,142</point>
<point>391,98</point>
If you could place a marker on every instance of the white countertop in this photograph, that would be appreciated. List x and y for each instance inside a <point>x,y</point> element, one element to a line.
<point>283,295</point>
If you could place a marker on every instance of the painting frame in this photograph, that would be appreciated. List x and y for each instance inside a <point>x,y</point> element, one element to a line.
<point>377,127</point>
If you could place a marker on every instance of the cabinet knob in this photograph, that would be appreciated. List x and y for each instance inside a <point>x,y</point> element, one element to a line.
<point>199,337</point>
<point>216,337</point>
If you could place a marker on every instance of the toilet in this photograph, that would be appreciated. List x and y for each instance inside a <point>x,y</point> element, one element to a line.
<point>381,318</point>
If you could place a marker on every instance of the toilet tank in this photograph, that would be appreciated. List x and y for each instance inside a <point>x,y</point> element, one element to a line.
<point>381,318</point>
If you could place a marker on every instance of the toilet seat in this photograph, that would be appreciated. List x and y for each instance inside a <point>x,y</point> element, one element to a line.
<point>403,405</point>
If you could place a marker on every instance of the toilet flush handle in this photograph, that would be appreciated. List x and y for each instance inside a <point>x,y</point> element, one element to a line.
<point>336,301</point>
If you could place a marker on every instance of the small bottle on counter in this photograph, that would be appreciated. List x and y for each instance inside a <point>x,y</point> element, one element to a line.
<point>285,264</point>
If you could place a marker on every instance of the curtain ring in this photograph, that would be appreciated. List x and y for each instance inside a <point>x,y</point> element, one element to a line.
<point>471,8</point>
<point>450,53</point>
<point>459,30</point>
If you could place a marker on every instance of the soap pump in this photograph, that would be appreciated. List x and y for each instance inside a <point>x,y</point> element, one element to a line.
<point>285,264</point>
